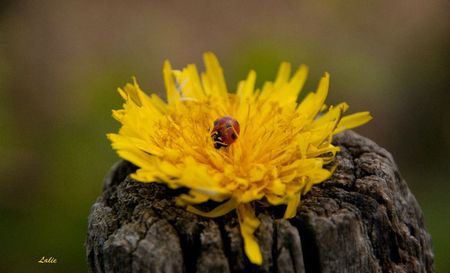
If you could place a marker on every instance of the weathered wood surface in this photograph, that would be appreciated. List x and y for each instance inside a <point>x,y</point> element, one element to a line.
<point>364,219</point>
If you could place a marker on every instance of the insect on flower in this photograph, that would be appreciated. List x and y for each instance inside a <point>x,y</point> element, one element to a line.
<point>225,132</point>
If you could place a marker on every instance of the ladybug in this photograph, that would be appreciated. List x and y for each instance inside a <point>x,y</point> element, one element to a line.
<point>225,132</point>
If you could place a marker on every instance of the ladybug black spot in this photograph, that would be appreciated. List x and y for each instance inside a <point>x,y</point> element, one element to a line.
<point>234,136</point>
<point>219,145</point>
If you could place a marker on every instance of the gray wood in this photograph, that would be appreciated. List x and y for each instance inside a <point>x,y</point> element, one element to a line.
<point>363,219</point>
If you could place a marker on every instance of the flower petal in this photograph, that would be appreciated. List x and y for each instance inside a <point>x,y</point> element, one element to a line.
<point>213,79</point>
<point>352,121</point>
<point>248,224</point>
<point>291,209</point>
<point>172,93</point>
<point>216,212</point>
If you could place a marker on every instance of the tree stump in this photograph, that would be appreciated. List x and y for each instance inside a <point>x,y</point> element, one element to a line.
<point>363,219</point>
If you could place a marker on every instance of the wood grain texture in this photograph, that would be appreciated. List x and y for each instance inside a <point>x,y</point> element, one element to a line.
<point>363,219</point>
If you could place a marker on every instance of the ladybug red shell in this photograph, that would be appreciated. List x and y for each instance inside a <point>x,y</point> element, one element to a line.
<point>225,132</point>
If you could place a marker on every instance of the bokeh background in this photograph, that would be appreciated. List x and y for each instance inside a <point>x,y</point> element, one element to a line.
<point>61,62</point>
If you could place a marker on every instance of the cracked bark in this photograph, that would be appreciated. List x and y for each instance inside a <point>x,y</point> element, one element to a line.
<point>363,219</point>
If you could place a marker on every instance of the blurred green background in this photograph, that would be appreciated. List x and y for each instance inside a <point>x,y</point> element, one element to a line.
<point>61,62</point>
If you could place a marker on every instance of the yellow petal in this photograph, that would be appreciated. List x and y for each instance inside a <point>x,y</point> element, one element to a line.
<point>313,102</point>
<point>196,177</point>
<point>291,209</point>
<point>172,93</point>
<point>334,113</point>
<point>352,121</point>
<point>216,212</point>
<point>288,93</point>
<point>284,72</point>
<point>214,76</point>
<point>274,199</point>
<point>276,186</point>
<point>192,197</point>
<point>297,82</point>
<point>248,224</point>
<point>128,151</point>
<point>145,175</point>
<point>132,91</point>
<point>189,83</point>
<point>246,87</point>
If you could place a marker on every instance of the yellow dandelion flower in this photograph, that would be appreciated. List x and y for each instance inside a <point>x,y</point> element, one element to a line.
<point>282,147</point>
